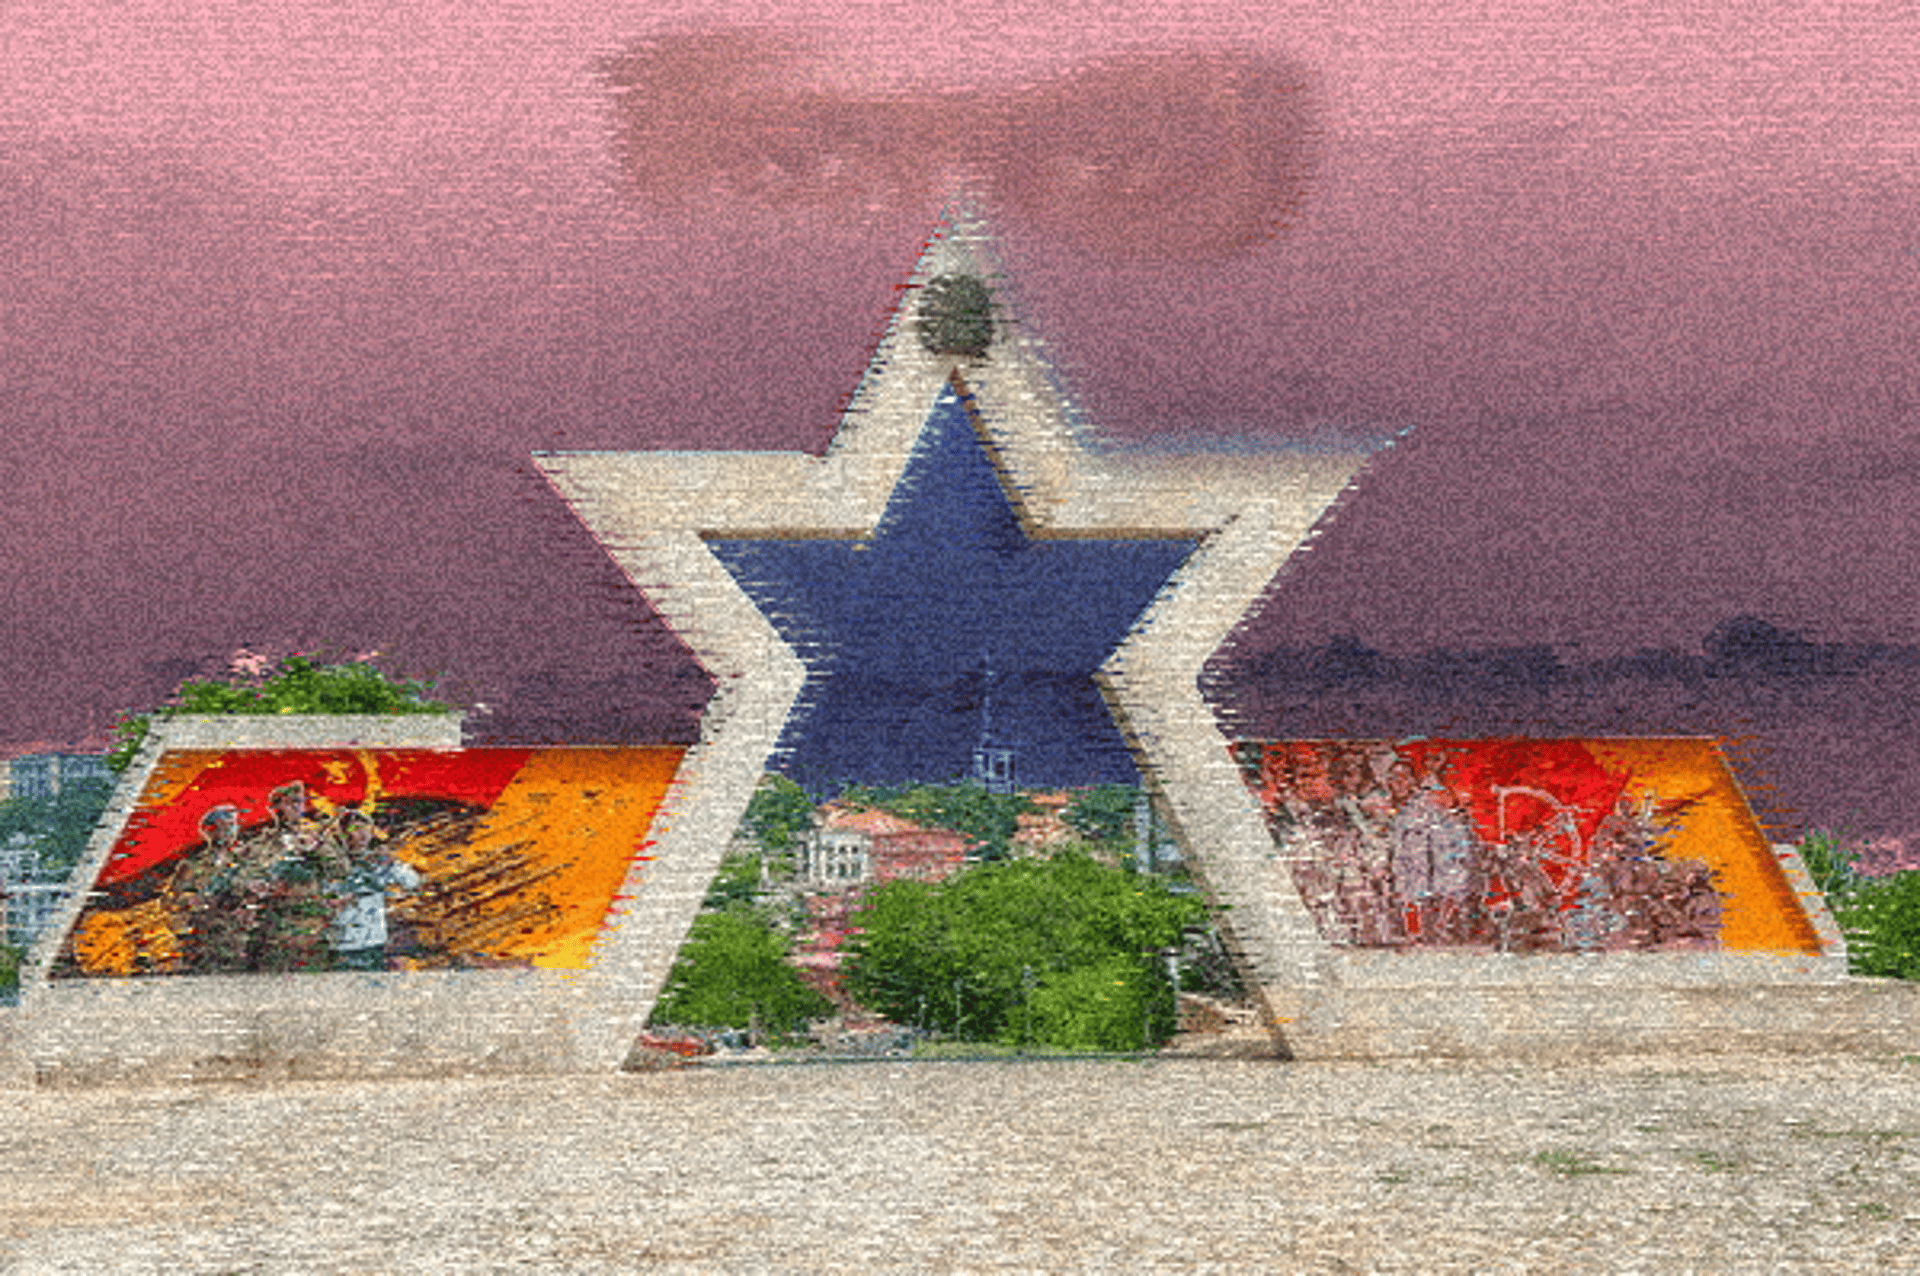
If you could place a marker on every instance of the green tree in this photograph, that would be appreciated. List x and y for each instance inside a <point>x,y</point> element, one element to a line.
<point>736,882</point>
<point>778,813</point>
<point>979,955</point>
<point>1115,1005</point>
<point>731,972</point>
<point>1103,814</point>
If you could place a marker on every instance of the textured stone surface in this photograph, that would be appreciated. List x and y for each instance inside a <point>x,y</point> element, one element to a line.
<point>1530,1022</point>
<point>1673,1164</point>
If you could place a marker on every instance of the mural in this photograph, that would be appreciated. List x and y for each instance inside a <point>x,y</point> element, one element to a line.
<point>1525,845</point>
<point>368,859</point>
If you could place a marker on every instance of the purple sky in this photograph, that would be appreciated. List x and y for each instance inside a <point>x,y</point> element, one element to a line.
<point>293,291</point>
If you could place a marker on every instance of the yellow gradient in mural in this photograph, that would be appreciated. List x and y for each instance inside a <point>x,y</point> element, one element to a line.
<point>176,772</point>
<point>120,941</point>
<point>535,880</point>
<point>1762,913</point>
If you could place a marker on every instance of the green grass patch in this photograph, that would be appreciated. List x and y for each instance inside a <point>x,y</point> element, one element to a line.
<point>1573,1164</point>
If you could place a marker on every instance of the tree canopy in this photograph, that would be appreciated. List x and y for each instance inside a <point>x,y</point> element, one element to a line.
<point>732,971</point>
<point>779,811</point>
<point>1057,951</point>
<point>1103,814</point>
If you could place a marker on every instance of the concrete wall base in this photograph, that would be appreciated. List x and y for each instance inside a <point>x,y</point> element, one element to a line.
<point>150,1032</point>
<point>1547,1021</point>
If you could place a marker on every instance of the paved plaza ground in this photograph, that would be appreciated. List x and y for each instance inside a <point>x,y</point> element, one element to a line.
<point>1707,1164</point>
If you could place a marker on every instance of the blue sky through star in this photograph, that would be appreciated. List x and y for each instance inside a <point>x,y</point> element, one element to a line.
<point>899,630</point>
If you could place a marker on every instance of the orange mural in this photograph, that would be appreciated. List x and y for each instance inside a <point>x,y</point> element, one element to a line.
<point>1526,845</point>
<point>342,859</point>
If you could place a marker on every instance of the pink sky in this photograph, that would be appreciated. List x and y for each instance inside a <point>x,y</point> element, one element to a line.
<point>297,288</point>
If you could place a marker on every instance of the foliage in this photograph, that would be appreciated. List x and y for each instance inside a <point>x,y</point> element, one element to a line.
<point>737,882</point>
<point>732,973</point>
<point>10,959</point>
<point>1116,1005</point>
<point>780,810</point>
<point>1830,864</point>
<point>1880,916</point>
<point>62,825</point>
<point>1104,814</point>
<point>979,955</point>
<point>296,684</point>
<point>988,819</point>
<point>736,888</point>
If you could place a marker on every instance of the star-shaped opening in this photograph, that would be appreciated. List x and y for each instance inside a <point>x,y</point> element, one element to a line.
<point>952,629</point>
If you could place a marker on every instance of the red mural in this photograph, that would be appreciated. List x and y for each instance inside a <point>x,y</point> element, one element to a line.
<point>315,860</point>
<point>1516,845</point>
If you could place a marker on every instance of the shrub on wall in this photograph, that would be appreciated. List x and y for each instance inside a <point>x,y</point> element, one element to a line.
<point>295,684</point>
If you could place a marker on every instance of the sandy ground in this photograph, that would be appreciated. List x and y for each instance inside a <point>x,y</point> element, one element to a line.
<point>1652,1165</point>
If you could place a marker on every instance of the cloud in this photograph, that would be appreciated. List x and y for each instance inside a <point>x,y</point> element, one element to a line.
<point>1185,154</point>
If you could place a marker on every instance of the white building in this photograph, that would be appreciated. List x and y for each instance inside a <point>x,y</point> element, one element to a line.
<point>836,857</point>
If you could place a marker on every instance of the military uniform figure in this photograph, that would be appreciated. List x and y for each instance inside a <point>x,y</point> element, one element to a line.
<point>359,930</point>
<point>213,900</point>
<point>296,907</point>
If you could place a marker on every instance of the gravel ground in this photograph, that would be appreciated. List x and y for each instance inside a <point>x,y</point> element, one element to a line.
<point>1652,1165</point>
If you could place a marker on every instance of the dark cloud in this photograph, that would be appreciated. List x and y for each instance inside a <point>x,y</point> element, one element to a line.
<point>1174,155</point>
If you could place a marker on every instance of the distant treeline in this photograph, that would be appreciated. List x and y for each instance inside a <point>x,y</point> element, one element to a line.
<point>1744,649</point>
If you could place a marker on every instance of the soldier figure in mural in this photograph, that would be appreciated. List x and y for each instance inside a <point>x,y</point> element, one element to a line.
<point>1432,857</point>
<point>212,900</point>
<point>301,862</point>
<point>359,931</point>
<point>298,894</point>
<point>1653,901</point>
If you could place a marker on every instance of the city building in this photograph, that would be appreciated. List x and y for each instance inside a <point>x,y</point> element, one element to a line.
<point>850,847</point>
<point>47,775</point>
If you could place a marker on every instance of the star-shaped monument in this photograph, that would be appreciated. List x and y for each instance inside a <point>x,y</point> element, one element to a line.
<point>749,556</point>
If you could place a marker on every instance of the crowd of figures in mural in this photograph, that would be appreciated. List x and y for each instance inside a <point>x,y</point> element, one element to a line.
<point>1388,847</point>
<point>297,891</point>
<point>367,860</point>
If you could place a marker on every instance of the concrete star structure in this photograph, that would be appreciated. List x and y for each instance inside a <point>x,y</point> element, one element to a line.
<point>656,512</point>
